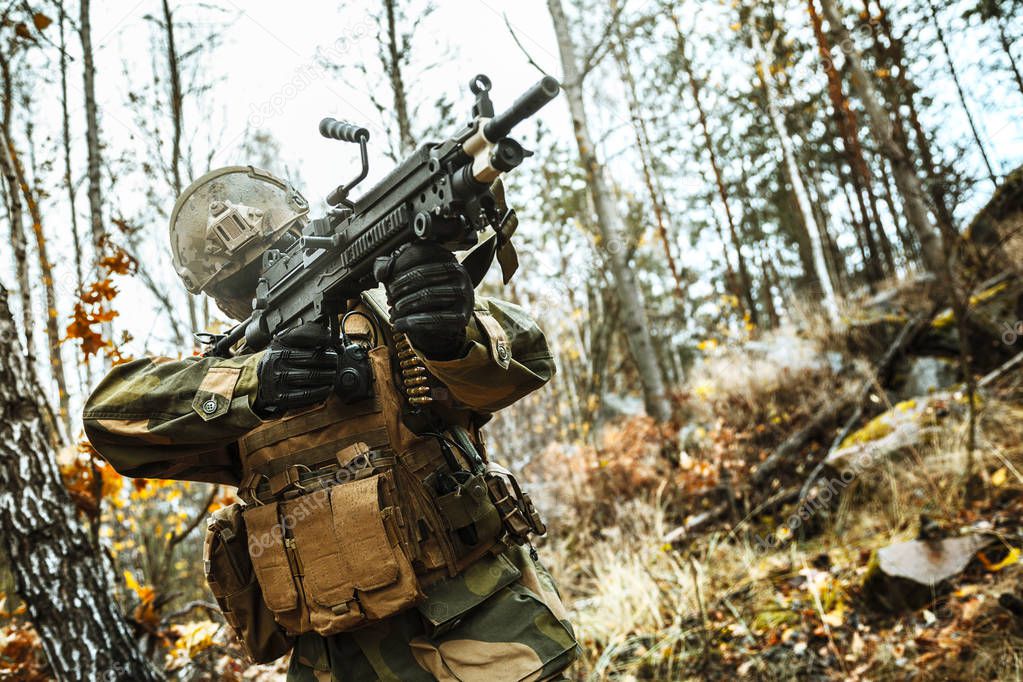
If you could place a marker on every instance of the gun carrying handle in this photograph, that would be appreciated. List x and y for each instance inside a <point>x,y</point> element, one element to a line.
<point>347,132</point>
<point>344,131</point>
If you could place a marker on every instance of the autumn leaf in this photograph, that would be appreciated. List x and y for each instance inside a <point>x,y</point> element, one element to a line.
<point>119,263</point>
<point>41,21</point>
<point>103,290</point>
<point>994,566</point>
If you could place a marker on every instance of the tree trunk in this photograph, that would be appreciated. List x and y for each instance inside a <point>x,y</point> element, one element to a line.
<point>95,159</point>
<point>857,230</point>
<point>845,121</point>
<point>962,95</point>
<point>392,66</point>
<point>822,214</point>
<point>830,301</point>
<point>881,127</point>
<point>635,324</point>
<point>895,55</point>
<point>19,250</point>
<point>645,152</point>
<point>56,571</point>
<point>745,283</point>
<point>15,210</point>
<point>68,182</point>
<point>50,294</point>
<point>177,121</point>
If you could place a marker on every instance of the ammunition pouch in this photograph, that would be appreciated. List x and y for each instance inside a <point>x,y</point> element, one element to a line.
<point>231,578</point>
<point>333,559</point>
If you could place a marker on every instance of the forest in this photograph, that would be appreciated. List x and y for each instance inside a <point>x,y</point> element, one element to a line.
<point>775,248</point>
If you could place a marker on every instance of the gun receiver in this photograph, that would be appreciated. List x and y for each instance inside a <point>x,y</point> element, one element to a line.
<point>441,192</point>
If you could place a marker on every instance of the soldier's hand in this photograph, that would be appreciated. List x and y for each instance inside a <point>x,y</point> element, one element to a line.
<point>298,369</point>
<point>430,295</point>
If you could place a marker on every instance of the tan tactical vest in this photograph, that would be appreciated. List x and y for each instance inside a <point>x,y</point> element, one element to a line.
<point>350,515</point>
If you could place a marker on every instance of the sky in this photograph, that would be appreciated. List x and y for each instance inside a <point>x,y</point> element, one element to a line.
<point>274,82</point>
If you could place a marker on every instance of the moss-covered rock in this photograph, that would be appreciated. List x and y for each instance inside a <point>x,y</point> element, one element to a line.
<point>906,425</point>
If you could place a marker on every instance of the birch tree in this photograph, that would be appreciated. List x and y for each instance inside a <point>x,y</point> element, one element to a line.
<point>56,569</point>
<point>635,324</point>
<point>15,207</point>
<point>18,181</point>
<point>69,186</point>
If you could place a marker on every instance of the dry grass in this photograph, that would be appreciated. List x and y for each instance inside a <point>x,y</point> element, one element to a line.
<point>651,602</point>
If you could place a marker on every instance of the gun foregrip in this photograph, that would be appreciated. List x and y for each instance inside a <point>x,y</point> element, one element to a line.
<point>342,130</point>
<point>546,89</point>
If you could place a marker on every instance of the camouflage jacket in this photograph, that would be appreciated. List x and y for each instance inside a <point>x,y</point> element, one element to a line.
<point>159,417</point>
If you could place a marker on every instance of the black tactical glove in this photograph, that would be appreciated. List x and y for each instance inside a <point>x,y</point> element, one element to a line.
<point>300,368</point>
<point>431,297</point>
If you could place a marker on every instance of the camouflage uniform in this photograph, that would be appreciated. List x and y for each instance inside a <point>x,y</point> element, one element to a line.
<point>499,619</point>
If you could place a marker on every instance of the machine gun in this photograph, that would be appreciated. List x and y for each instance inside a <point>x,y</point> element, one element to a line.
<point>441,192</point>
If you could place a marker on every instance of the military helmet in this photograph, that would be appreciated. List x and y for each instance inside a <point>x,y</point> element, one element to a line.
<point>225,221</point>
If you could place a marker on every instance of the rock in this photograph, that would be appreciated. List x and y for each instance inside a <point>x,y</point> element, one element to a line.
<point>909,575</point>
<point>995,313</point>
<point>890,433</point>
<point>614,406</point>
<point>871,332</point>
<point>993,236</point>
<point>926,375</point>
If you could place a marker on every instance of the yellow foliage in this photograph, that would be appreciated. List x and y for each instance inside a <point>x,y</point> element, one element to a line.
<point>703,390</point>
<point>192,640</point>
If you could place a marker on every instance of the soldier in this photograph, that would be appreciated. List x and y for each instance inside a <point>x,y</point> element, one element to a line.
<point>374,539</point>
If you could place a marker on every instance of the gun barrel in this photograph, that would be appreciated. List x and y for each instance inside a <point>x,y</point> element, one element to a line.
<point>342,130</point>
<point>524,107</point>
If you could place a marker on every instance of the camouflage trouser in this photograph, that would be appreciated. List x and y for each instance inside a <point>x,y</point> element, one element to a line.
<point>468,631</point>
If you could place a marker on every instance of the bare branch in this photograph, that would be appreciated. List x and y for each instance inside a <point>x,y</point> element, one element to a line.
<point>518,42</point>
<point>601,47</point>
<point>196,520</point>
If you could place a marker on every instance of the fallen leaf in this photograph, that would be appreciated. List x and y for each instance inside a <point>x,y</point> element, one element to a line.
<point>1011,558</point>
<point>999,477</point>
